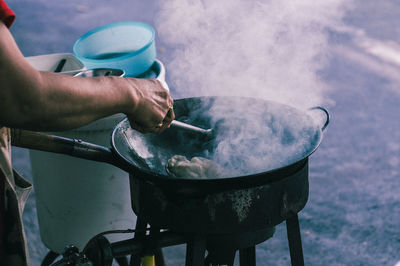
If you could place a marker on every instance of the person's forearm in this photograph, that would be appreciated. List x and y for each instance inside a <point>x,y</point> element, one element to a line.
<point>63,102</point>
<point>37,100</point>
<point>48,101</point>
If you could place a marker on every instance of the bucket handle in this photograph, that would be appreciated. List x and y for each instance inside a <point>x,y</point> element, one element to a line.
<point>326,113</point>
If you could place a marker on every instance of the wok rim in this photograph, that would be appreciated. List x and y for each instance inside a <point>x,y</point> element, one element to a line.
<point>260,178</point>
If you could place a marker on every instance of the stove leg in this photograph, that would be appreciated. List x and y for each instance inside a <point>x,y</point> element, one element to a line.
<point>122,261</point>
<point>195,251</point>
<point>247,256</point>
<point>141,226</point>
<point>159,257</point>
<point>49,258</point>
<point>158,254</point>
<point>294,237</point>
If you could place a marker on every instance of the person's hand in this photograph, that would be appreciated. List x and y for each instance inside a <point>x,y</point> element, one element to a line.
<point>153,110</point>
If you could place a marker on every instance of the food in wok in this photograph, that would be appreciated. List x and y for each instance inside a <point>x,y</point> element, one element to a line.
<point>197,167</point>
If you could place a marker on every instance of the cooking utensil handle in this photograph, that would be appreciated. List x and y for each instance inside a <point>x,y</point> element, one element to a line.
<point>60,65</point>
<point>189,128</point>
<point>73,147</point>
<point>326,113</point>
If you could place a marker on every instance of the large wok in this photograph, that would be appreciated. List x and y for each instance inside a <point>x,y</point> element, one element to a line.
<point>145,155</point>
<point>276,185</point>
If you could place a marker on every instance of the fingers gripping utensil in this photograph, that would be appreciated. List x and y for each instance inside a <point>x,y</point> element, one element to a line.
<point>207,133</point>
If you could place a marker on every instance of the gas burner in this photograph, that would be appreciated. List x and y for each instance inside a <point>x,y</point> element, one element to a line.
<point>200,249</point>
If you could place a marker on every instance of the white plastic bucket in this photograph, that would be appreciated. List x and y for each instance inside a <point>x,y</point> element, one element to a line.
<point>76,198</point>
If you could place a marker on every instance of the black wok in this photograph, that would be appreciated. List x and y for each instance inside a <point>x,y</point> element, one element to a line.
<point>145,155</point>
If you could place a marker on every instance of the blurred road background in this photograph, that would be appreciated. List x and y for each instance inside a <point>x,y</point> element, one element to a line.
<point>353,213</point>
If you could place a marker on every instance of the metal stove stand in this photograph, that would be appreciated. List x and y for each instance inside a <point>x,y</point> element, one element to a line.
<point>100,252</point>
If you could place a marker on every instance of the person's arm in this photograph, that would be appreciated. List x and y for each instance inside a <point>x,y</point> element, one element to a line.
<point>39,100</point>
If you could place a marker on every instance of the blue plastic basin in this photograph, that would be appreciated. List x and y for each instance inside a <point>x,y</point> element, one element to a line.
<point>129,46</point>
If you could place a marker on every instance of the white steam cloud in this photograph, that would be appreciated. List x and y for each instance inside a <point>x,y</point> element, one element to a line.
<point>265,49</point>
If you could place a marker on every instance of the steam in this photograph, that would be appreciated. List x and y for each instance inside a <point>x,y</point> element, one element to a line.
<point>270,136</point>
<point>271,50</point>
<point>264,49</point>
